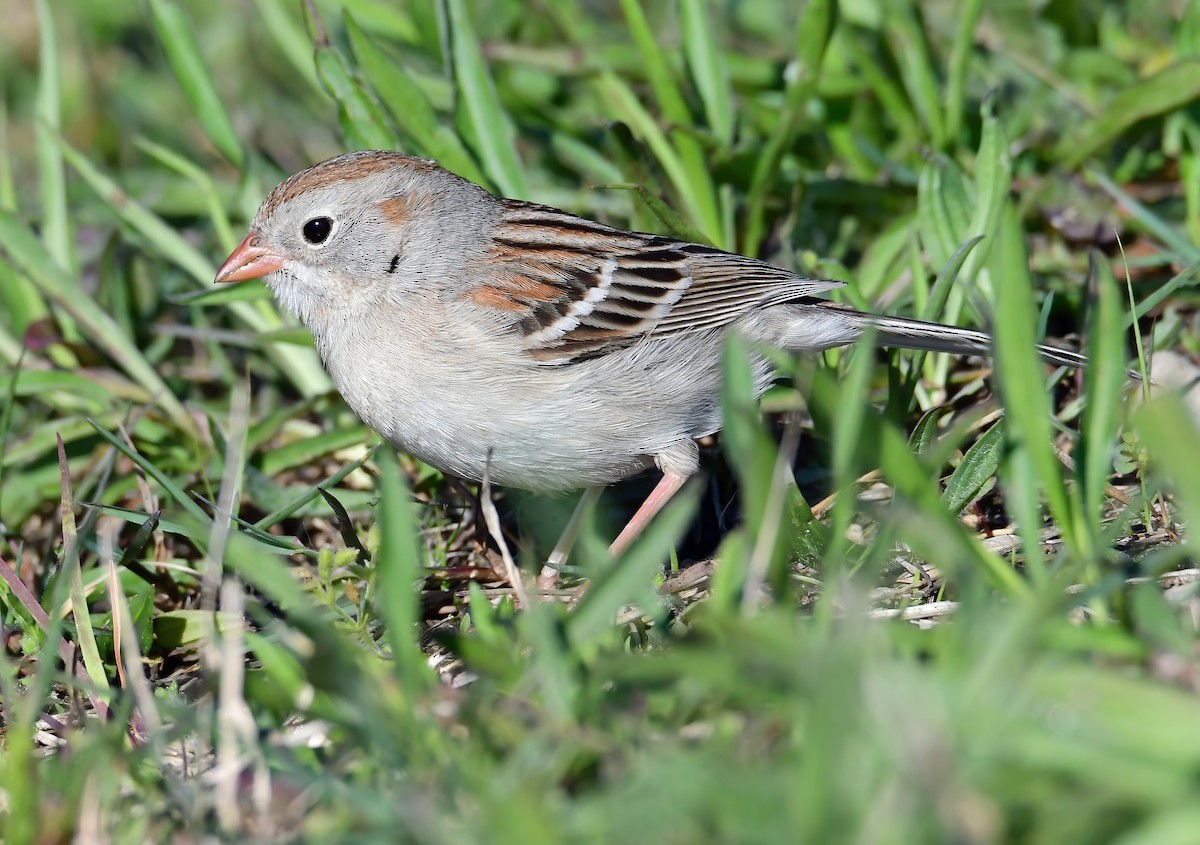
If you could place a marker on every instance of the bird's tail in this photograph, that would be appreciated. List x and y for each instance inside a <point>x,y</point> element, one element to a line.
<point>935,337</point>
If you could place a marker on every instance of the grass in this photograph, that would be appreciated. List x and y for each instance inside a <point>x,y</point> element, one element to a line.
<point>227,614</point>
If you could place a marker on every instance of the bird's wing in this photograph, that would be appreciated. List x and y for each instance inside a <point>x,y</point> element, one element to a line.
<point>578,289</point>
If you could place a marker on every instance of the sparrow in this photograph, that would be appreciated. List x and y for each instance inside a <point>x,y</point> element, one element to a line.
<point>480,333</point>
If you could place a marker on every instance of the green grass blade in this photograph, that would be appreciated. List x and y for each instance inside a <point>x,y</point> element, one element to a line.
<point>302,366</point>
<point>1170,436</point>
<point>392,20</point>
<point>19,299</point>
<point>409,107</point>
<point>490,124</point>
<point>851,415</point>
<point>201,179</point>
<point>282,513</point>
<point>814,32</point>
<point>175,34</point>
<point>911,50</point>
<point>307,450</point>
<point>628,580</point>
<point>1021,379</point>
<point>57,232</point>
<point>169,487</point>
<point>8,187</point>
<point>22,305</point>
<point>33,260</point>
<point>1183,277</point>
<point>881,80</point>
<point>754,456</point>
<point>685,160</point>
<point>709,71</point>
<point>363,122</point>
<point>250,291</point>
<point>291,39</point>
<point>400,569</point>
<point>945,208</point>
<point>931,528</point>
<point>165,239</point>
<point>968,13</point>
<point>673,223</point>
<point>624,105</point>
<point>993,181</point>
<point>1153,223</point>
<point>1166,91</point>
<point>1104,379</point>
<point>85,636</point>
<point>977,466</point>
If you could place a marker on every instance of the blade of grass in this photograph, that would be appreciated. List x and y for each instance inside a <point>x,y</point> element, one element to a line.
<point>977,466</point>
<point>250,291</point>
<point>18,297</point>
<point>1141,309</point>
<point>910,48</point>
<point>1020,379</point>
<point>228,499</point>
<point>302,366</point>
<point>709,71</point>
<point>8,187</point>
<point>409,107</point>
<point>133,678</point>
<point>169,487</point>
<point>307,450</point>
<point>850,413</point>
<point>1154,225</point>
<point>85,637</point>
<point>400,569</point>
<point>56,229</point>
<point>968,13</point>
<point>692,178</point>
<point>175,35</point>
<point>674,223</point>
<point>29,609</point>
<point>944,207</point>
<point>933,309</point>
<point>54,283</point>
<point>881,80</point>
<point>624,105</point>
<point>1170,89</point>
<point>993,180</point>
<point>1104,379</point>
<point>1189,168</point>
<point>200,178</point>
<point>362,119</point>
<point>814,33</point>
<point>627,580</point>
<point>19,774</point>
<point>277,516</point>
<point>292,40</point>
<point>489,122</point>
<point>1169,433</point>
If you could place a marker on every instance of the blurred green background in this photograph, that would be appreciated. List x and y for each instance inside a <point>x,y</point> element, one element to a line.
<point>986,634</point>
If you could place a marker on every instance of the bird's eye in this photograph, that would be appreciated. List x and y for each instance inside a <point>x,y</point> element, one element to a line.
<point>317,230</point>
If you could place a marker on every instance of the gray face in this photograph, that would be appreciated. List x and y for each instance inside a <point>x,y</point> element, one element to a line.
<point>365,226</point>
<point>337,241</point>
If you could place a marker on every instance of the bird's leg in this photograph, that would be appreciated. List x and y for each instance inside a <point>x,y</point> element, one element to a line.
<point>548,578</point>
<point>667,487</point>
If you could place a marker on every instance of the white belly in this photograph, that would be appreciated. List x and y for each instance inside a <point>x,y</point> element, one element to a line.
<point>544,427</point>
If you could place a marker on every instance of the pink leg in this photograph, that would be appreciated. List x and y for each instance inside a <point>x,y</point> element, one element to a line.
<point>662,493</point>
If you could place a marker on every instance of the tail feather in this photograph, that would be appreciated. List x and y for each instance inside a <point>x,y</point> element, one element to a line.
<point>935,337</point>
<point>814,324</point>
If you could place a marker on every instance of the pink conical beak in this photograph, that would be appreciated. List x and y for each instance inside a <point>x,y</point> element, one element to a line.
<point>249,261</point>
